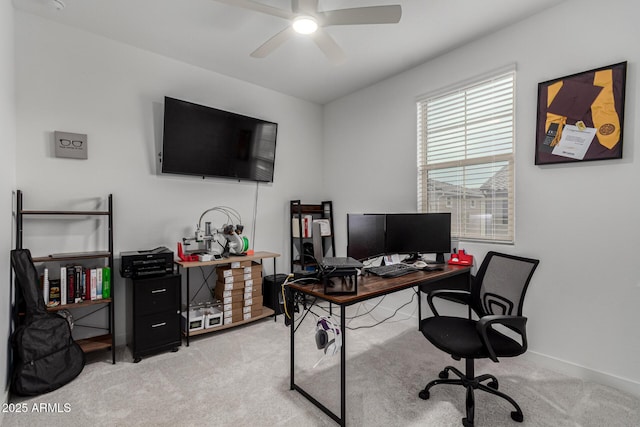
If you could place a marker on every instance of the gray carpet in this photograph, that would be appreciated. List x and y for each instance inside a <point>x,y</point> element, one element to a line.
<point>240,377</point>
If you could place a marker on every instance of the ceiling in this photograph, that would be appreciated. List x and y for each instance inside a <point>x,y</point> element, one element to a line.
<point>220,37</point>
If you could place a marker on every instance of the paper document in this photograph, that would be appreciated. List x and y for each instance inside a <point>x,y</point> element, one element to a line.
<point>574,142</point>
<point>325,226</point>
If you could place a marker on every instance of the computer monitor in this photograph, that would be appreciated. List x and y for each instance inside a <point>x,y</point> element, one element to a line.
<point>365,235</point>
<point>419,233</point>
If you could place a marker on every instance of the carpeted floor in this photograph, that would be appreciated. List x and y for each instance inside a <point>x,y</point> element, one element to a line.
<point>240,377</point>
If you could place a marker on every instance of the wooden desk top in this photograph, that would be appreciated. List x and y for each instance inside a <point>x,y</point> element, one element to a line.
<point>256,256</point>
<point>371,286</point>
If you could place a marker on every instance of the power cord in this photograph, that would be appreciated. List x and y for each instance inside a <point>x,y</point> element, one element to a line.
<point>284,296</point>
<point>387,318</point>
<point>205,281</point>
<point>368,312</point>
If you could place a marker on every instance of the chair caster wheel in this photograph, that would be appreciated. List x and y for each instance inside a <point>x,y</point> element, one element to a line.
<point>517,416</point>
<point>443,375</point>
<point>424,394</point>
<point>493,384</point>
<point>467,423</point>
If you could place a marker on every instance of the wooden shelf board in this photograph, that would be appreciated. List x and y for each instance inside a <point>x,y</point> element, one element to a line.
<point>266,312</point>
<point>69,256</point>
<point>80,304</point>
<point>235,258</point>
<point>100,342</point>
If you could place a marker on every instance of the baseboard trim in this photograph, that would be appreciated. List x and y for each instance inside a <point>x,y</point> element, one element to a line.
<point>4,400</point>
<point>555,364</point>
<point>583,373</point>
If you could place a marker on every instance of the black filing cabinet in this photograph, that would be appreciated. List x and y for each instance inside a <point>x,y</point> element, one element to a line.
<point>154,315</point>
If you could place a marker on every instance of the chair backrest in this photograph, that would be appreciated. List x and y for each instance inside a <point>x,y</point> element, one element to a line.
<point>501,284</point>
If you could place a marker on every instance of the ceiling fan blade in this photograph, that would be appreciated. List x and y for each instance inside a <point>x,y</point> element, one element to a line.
<point>330,48</point>
<point>363,15</point>
<point>308,6</point>
<point>273,43</point>
<point>259,7</point>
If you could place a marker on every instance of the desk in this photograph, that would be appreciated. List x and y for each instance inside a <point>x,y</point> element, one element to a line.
<point>369,286</point>
<point>257,256</point>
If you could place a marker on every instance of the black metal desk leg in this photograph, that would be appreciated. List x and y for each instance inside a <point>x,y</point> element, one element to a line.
<point>293,332</point>
<point>188,324</point>
<point>419,306</point>
<point>343,368</point>
<point>275,301</point>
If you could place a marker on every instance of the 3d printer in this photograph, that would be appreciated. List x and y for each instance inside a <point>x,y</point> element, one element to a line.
<point>217,242</point>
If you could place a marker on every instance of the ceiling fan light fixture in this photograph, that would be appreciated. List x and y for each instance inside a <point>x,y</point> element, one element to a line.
<point>305,25</point>
<point>58,4</point>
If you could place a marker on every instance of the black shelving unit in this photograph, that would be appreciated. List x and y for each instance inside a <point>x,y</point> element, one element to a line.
<point>98,342</point>
<point>298,211</point>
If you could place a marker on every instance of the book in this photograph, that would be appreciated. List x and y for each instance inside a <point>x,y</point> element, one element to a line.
<point>98,283</point>
<point>307,226</point>
<point>106,282</point>
<point>71,285</point>
<point>325,226</point>
<point>94,278</point>
<point>54,292</point>
<point>295,227</point>
<point>63,285</point>
<point>79,294</point>
<point>45,286</point>
<point>87,284</point>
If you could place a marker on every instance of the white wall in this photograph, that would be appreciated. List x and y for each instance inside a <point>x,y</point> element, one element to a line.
<point>581,221</point>
<point>7,178</point>
<point>582,301</point>
<point>73,81</point>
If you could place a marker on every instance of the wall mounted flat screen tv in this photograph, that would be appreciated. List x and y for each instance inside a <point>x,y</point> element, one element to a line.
<point>208,142</point>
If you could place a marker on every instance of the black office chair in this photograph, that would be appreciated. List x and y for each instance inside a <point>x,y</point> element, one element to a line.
<point>496,297</point>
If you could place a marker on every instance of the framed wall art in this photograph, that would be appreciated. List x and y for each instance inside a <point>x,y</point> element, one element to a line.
<point>581,116</point>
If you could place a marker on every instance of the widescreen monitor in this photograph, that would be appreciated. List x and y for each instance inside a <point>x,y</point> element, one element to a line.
<point>365,235</point>
<point>419,233</point>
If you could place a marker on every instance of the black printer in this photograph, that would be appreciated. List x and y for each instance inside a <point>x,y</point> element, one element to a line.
<point>146,263</point>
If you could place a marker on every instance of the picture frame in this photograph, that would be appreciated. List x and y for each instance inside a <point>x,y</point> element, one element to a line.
<point>580,117</point>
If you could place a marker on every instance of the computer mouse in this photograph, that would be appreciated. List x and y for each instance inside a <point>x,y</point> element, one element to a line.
<point>419,264</point>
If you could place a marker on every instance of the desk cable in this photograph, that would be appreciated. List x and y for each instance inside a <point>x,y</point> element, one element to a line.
<point>205,281</point>
<point>348,319</point>
<point>386,318</point>
<point>284,298</point>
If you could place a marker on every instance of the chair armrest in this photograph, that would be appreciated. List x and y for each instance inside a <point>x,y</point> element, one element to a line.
<point>515,323</point>
<point>461,297</point>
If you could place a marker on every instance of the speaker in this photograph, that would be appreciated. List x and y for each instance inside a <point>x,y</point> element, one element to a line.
<point>328,336</point>
<point>272,292</point>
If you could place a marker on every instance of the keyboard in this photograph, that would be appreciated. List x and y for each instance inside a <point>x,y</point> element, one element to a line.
<point>393,270</point>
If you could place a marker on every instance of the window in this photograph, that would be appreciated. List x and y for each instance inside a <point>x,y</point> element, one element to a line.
<point>466,160</point>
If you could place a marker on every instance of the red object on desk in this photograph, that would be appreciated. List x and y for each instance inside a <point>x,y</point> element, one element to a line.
<point>184,257</point>
<point>461,258</point>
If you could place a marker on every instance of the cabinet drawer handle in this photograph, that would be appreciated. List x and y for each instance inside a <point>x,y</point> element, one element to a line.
<point>157,291</point>
<point>157,325</point>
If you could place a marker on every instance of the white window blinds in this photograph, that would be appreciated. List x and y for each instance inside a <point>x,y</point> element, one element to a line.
<point>465,158</point>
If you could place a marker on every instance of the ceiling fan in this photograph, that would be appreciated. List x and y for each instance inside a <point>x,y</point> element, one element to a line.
<point>305,18</point>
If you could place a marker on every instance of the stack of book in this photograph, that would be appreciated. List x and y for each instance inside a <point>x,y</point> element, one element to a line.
<point>75,284</point>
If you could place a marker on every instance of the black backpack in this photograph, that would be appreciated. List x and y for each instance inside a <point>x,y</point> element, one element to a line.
<point>45,355</point>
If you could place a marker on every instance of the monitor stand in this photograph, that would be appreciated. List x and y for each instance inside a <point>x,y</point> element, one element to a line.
<point>411,258</point>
